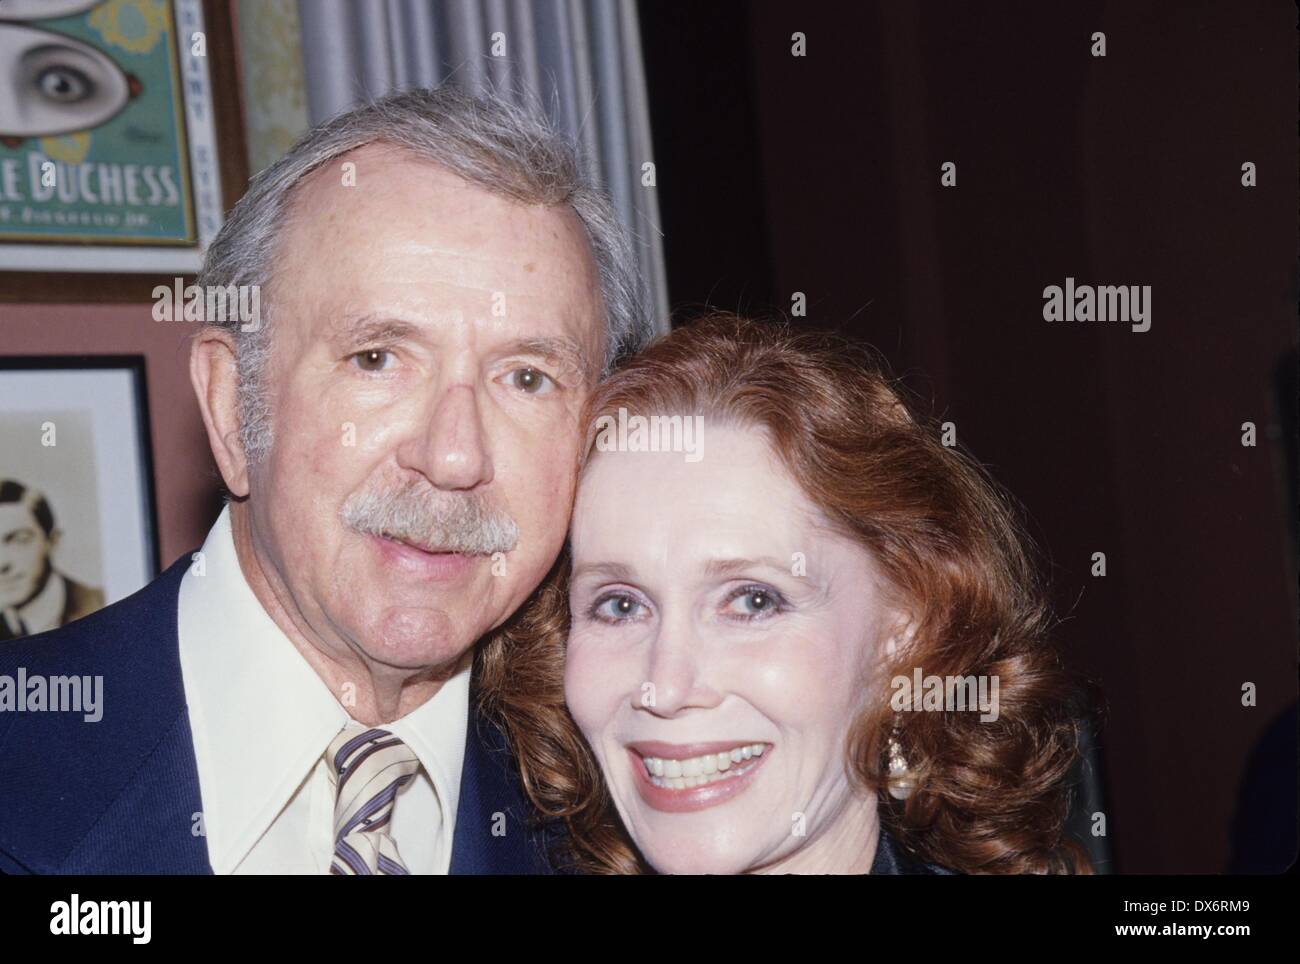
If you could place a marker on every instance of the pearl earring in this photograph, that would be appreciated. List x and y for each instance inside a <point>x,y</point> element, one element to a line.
<point>901,780</point>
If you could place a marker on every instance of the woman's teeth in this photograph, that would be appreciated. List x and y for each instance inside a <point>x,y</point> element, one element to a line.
<point>699,770</point>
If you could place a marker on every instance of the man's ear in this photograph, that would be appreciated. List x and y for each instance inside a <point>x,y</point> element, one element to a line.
<point>216,385</point>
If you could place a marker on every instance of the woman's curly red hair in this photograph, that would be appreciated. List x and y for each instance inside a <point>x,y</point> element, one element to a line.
<point>990,797</point>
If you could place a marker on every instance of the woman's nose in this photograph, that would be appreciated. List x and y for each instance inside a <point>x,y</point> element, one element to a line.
<point>676,676</point>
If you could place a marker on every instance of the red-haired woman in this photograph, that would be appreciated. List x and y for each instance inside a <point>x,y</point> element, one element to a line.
<point>770,548</point>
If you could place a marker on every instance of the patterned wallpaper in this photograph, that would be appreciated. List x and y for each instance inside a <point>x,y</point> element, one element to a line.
<point>275,99</point>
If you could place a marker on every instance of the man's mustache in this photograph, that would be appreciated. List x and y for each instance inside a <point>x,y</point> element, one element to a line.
<point>435,521</point>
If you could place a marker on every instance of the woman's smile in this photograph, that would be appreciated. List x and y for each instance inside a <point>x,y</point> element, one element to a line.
<point>678,778</point>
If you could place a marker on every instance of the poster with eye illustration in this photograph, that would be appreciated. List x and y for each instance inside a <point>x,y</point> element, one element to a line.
<point>107,148</point>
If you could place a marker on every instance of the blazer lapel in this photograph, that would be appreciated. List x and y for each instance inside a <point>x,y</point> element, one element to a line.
<point>494,831</point>
<point>155,825</point>
<point>120,794</point>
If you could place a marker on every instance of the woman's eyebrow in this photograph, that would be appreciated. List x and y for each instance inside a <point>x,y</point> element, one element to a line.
<point>730,567</point>
<point>610,570</point>
<point>712,569</point>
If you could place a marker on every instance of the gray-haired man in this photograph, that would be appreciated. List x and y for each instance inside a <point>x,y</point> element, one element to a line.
<point>399,434</point>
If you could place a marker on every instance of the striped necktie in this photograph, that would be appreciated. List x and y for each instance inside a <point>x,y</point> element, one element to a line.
<point>367,768</point>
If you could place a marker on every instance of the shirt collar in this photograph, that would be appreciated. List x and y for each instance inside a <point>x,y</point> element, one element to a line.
<point>261,717</point>
<point>44,610</point>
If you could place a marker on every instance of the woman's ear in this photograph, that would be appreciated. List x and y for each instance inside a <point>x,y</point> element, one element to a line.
<point>903,635</point>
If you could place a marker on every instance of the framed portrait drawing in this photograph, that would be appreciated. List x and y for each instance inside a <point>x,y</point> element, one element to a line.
<point>77,513</point>
<point>108,158</point>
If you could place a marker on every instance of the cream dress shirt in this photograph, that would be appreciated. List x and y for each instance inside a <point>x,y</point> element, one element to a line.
<point>262,720</point>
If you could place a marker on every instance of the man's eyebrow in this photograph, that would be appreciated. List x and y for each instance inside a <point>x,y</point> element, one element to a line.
<point>355,332</point>
<point>558,350</point>
<point>610,570</point>
<point>375,329</point>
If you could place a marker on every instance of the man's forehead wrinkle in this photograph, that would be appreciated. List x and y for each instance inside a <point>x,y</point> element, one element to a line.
<point>464,268</point>
<point>432,278</point>
<point>316,207</point>
<point>431,267</point>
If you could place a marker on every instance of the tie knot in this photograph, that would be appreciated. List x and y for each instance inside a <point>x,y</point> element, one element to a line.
<point>369,767</point>
<point>356,749</point>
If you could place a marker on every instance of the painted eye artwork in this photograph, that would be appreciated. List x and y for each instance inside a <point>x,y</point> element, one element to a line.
<point>56,85</point>
<point>42,9</point>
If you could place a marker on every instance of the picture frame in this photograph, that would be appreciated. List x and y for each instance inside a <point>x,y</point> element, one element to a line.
<point>139,189</point>
<point>74,430</point>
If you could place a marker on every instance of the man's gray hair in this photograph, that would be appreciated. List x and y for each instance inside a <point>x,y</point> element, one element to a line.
<point>511,151</point>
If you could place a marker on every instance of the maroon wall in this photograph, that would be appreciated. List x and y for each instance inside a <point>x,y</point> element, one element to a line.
<point>186,483</point>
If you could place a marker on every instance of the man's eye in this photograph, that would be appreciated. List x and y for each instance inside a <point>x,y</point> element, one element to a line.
<point>373,359</point>
<point>531,381</point>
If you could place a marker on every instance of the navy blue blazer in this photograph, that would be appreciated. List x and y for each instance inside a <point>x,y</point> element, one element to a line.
<point>121,795</point>
<point>893,858</point>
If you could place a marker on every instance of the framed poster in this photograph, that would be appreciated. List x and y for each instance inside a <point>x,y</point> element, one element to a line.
<point>107,139</point>
<point>77,513</point>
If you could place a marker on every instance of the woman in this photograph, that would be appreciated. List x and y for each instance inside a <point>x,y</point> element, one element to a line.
<point>758,634</point>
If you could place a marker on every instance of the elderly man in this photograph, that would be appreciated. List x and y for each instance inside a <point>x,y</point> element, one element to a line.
<point>399,435</point>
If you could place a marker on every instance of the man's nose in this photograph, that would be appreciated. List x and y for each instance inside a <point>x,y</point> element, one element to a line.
<point>452,450</point>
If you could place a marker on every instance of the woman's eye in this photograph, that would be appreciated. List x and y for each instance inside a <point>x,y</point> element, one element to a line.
<point>616,608</point>
<point>373,359</point>
<point>754,602</point>
<point>531,381</point>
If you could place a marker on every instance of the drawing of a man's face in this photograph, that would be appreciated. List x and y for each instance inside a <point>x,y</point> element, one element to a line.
<point>24,555</point>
